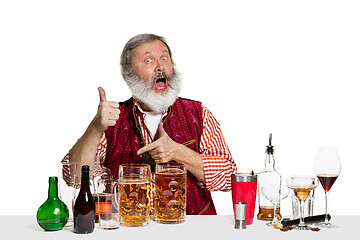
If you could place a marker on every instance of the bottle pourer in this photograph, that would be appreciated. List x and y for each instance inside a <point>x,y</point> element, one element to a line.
<point>270,147</point>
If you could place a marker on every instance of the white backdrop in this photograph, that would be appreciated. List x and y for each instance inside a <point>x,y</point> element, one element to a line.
<point>290,68</point>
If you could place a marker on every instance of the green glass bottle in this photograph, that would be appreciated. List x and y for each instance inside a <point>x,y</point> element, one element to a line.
<point>53,214</point>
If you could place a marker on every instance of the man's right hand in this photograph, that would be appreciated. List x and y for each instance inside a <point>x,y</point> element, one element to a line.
<point>107,114</point>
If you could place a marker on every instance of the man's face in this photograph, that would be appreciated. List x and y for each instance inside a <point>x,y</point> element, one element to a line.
<point>153,58</point>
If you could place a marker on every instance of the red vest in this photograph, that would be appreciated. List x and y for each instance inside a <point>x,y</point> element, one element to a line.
<point>183,124</point>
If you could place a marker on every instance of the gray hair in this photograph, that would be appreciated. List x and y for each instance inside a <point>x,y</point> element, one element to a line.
<point>129,49</point>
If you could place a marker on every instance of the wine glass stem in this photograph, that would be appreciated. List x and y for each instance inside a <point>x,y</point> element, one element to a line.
<point>302,222</point>
<point>275,218</point>
<point>326,208</point>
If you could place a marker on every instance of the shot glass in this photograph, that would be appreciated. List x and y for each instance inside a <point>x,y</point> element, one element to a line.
<point>107,203</point>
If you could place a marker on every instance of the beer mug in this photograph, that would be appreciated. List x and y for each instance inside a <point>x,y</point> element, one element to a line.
<point>134,190</point>
<point>170,193</point>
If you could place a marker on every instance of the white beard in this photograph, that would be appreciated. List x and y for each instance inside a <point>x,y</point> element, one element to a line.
<point>157,102</point>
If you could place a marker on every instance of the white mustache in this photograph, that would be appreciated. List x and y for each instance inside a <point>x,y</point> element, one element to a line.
<point>160,75</point>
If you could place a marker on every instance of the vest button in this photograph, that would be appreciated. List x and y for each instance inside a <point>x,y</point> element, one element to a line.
<point>140,155</point>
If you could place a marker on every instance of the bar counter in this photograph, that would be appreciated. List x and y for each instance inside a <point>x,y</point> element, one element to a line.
<point>195,227</point>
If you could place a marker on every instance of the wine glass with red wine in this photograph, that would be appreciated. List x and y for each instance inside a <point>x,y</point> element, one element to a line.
<point>327,168</point>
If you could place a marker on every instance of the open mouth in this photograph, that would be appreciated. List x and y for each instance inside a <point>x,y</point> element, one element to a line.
<point>161,84</point>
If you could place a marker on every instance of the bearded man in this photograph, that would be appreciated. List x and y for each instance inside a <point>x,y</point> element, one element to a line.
<point>157,126</point>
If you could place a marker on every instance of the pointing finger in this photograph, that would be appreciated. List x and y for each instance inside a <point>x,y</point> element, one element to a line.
<point>146,148</point>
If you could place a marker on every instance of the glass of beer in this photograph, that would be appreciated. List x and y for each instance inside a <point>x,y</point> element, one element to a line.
<point>134,191</point>
<point>170,193</point>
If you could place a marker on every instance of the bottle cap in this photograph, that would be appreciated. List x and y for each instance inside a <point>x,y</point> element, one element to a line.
<point>85,168</point>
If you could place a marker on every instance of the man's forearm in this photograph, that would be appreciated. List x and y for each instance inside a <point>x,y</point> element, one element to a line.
<point>192,161</point>
<point>84,150</point>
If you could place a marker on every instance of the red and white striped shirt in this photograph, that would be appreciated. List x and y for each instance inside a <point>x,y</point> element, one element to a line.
<point>217,160</point>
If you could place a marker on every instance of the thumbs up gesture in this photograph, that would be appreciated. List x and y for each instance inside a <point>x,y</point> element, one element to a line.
<point>108,112</point>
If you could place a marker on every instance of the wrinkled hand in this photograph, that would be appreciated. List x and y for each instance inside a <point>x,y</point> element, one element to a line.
<point>107,114</point>
<point>164,149</point>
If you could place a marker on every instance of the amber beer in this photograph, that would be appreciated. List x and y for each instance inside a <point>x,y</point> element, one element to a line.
<point>170,193</point>
<point>134,203</point>
<point>134,195</point>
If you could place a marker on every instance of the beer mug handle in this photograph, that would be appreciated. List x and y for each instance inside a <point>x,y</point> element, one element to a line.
<point>116,195</point>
